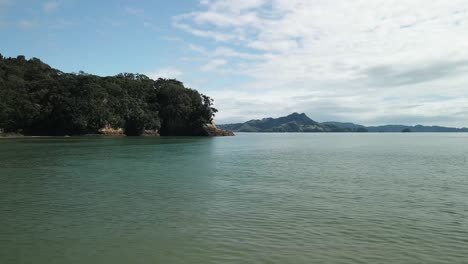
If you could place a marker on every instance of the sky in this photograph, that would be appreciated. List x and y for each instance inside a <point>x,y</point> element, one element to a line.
<point>365,61</point>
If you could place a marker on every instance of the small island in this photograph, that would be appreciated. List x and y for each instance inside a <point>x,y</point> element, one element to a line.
<point>38,100</point>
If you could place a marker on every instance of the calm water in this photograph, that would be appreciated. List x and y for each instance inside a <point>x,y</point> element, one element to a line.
<point>253,198</point>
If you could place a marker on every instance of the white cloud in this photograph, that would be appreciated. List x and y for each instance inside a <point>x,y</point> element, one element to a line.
<point>198,49</point>
<point>50,6</point>
<point>166,73</point>
<point>133,10</point>
<point>26,24</point>
<point>169,38</point>
<point>233,6</point>
<point>218,36</point>
<point>213,65</point>
<point>224,52</point>
<point>344,59</point>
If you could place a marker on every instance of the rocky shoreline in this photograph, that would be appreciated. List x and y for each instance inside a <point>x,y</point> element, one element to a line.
<point>214,131</point>
<point>211,129</point>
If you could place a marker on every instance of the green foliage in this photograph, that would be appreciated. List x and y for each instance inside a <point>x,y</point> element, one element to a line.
<point>181,110</point>
<point>36,99</point>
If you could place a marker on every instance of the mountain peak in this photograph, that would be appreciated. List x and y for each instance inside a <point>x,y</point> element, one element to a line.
<point>297,114</point>
<point>298,117</point>
<point>294,122</point>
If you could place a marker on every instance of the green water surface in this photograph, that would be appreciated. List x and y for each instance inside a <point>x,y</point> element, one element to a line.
<point>253,198</point>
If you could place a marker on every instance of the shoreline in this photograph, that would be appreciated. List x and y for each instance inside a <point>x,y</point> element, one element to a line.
<point>17,136</point>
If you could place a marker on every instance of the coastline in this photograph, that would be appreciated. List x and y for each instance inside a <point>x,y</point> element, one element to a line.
<point>211,130</point>
<point>212,133</point>
<point>10,135</point>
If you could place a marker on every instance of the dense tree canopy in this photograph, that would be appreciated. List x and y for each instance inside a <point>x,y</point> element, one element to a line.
<point>36,99</point>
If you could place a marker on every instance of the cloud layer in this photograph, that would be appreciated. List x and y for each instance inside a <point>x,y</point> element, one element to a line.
<point>365,61</point>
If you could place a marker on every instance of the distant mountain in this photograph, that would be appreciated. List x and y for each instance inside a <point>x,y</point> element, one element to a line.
<point>395,128</point>
<point>302,123</point>
<point>292,123</point>
<point>417,128</point>
<point>350,127</point>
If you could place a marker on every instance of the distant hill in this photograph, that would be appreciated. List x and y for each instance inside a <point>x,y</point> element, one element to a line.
<point>417,128</point>
<point>350,127</point>
<point>398,128</point>
<point>292,123</point>
<point>302,123</point>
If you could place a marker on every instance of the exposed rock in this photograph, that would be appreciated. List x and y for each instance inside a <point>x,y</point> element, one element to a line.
<point>10,135</point>
<point>148,132</point>
<point>213,131</point>
<point>110,131</point>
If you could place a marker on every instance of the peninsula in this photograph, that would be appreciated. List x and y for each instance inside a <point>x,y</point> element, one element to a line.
<point>38,100</point>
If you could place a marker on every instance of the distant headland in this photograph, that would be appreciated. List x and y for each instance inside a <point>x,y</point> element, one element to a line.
<point>38,100</point>
<point>296,122</point>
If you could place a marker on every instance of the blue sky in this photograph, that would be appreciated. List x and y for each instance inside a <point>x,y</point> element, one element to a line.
<point>370,62</point>
<point>104,37</point>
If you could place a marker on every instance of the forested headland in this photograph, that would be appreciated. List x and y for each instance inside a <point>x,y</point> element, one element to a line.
<point>36,99</point>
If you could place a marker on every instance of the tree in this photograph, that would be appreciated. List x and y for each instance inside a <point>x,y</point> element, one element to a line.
<point>39,100</point>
